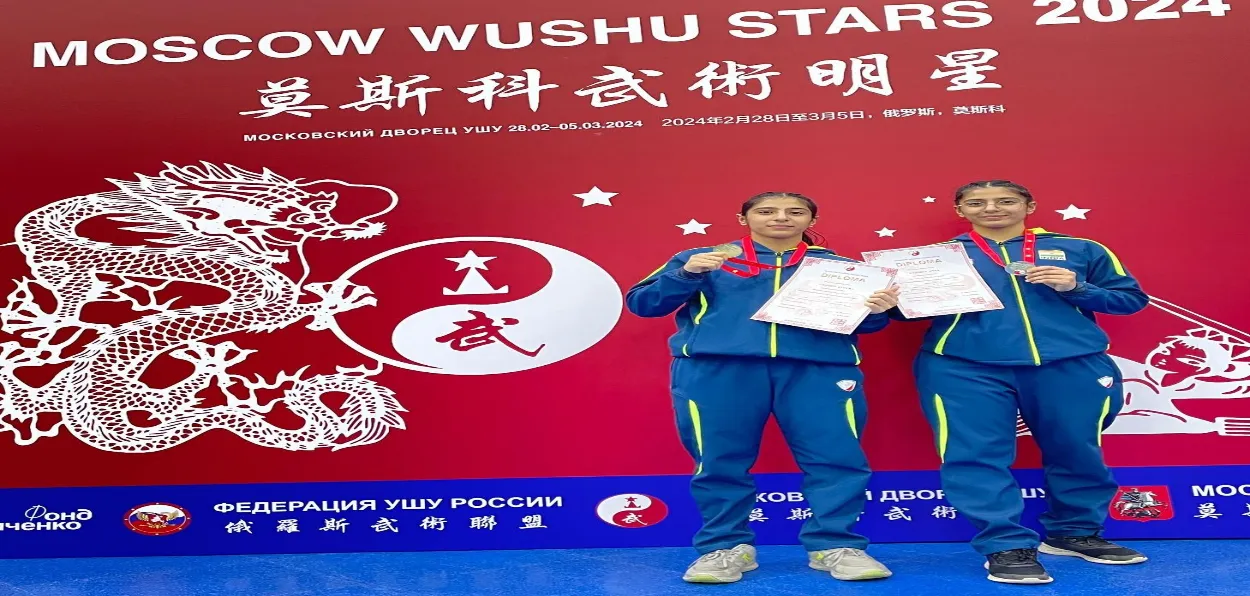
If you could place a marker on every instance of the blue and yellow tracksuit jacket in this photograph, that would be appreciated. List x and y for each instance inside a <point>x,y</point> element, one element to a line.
<point>714,312</point>
<point>1037,324</point>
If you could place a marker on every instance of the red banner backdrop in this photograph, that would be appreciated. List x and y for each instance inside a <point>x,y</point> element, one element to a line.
<point>461,313</point>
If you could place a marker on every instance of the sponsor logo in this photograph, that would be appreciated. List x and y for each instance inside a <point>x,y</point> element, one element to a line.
<point>1142,503</point>
<point>41,519</point>
<point>157,519</point>
<point>1052,255</point>
<point>632,511</point>
<point>847,385</point>
<point>1106,382</point>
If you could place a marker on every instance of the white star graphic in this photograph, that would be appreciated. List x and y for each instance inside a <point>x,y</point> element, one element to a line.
<point>929,200</point>
<point>1072,212</point>
<point>470,260</point>
<point>594,196</point>
<point>883,232</point>
<point>693,227</point>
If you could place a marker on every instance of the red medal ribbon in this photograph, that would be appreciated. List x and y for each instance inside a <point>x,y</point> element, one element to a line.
<point>1027,253</point>
<point>753,266</point>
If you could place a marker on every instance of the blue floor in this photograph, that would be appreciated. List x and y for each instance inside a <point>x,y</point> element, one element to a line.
<point>1186,568</point>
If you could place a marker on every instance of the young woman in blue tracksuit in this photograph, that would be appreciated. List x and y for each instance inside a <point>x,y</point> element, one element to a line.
<point>729,373</point>
<point>1043,355</point>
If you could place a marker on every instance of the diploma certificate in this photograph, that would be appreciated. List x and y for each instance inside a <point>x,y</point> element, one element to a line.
<point>936,280</point>
<point>826,295</point>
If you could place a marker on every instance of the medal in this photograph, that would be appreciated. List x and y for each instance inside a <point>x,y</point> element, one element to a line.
<point>1017,268</point>
<point>749,258</point>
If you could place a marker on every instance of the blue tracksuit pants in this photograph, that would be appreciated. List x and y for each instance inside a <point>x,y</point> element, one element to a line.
<point>1067,404</point>
<point>722,405</point>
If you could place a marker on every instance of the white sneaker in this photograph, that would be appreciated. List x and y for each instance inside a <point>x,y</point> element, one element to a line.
<point>848,564</point>
<point>723,566</point>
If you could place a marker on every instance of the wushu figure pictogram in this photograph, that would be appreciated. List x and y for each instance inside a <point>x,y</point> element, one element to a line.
<point>478,330</point>
<point>1046,358</point>
<point>730,373</point>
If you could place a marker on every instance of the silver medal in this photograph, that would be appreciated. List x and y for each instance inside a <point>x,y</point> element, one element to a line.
<point>1018,268</point>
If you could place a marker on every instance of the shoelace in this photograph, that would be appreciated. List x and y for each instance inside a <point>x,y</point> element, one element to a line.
<point>1015,556</point>
<point>1090,541</point>
<point>838,554</point>
<point>720,558</point>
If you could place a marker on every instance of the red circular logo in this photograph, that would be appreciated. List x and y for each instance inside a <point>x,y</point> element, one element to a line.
<point>157,519</point>
<point>632,510</point>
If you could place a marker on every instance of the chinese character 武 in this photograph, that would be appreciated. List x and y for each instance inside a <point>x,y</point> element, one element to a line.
<point>633,519</point>
<point>239,527</point>
<point>335,525</point>
<point>800,514</point>
<point>386,524</point>
<point>434,523</point>
<point>1207,511</point>
<point>896,513</point>
<point>288,526</point>
<point>285,97</point>
<point>488,88</point>
<point>736,75</point>
<point>379,93</point>
<point>757,515</point>
<point>965,68</point>
<point>944,512</point>
<point>620,86</point>
<point>479,331</point>
<point>532,522</point>
<point>867,72</point>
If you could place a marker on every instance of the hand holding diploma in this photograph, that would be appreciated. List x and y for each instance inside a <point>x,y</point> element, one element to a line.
<point>937,280</point>
<point>883,300</point>
<point>830,295</point>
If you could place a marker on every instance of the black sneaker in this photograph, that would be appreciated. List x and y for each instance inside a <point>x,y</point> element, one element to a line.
<point>1093,549</point>
<point>1017,566</point>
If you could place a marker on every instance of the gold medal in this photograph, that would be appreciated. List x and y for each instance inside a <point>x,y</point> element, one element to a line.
<point>731,250</point>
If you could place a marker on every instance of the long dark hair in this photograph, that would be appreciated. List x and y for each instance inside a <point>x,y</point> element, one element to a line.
<point>1007,184</point>
<point>809,236</point>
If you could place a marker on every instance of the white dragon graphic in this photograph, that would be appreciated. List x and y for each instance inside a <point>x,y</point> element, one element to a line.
<point>221,226</point>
